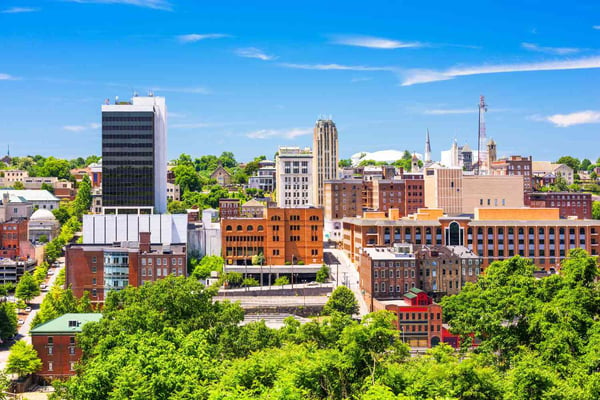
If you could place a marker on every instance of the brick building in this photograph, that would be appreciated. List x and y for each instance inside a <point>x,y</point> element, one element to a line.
<point>494,234</point>
<point>515,165</point>
<point>569,204</point>
<point>282,235</point>
<point>99,268</point>
<point>56,344</point>
<point>418,318</point>
<point>13,238</point>
<point>229,208</point>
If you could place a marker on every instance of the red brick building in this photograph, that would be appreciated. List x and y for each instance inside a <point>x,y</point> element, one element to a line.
<point>418,318</point>
<point>570,204</point>
<point>284,235</point>
<point>229,208</point>
<point>56,344</point>
<point>99,269</point>
<point>13,238</point>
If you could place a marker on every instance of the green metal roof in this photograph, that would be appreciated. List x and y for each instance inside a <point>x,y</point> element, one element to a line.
<point>416,290</point>
<point>66,324</point>
<point>410,295</point>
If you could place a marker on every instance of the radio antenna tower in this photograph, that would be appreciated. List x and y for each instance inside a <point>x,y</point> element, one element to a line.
<point>482,156</point>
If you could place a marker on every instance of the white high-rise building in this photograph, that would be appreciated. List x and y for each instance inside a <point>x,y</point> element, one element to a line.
<point>325,156</point>
<point>134,155</point>
<point>294,181</point>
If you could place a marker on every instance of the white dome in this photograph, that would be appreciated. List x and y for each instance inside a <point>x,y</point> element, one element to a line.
<point>43,215</point>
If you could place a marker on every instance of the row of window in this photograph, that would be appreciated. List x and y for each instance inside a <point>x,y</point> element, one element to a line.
<point>165,261</point>
<point>380,287</point>
<point>162,271</point>
<point>128,128</point>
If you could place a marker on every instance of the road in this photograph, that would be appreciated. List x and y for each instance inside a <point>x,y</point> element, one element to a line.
<point>348,275</point>
<point>23,330</point>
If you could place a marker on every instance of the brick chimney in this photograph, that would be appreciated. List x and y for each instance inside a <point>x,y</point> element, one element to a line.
<point>145,242</point>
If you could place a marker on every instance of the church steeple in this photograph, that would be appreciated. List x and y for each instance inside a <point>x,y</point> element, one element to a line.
<point>427,158</point>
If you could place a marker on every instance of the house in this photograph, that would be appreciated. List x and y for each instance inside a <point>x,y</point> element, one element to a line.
<point>56,344</point>
<point>221,175</point>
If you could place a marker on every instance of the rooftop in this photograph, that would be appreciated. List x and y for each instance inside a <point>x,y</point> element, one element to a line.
<point>67,324</point>
<point>29,195</point>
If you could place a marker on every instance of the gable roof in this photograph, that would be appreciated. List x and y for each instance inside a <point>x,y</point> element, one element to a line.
<point>66,324</point>
<point>220,169</point>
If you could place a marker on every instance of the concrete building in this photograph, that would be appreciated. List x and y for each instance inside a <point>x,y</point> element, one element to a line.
<point>544,168</point>
<point>295,183</point>
<point>109,228</point>
<point>482,191</point>
<point>204,236</point>
<point>492,233</point>
<point>100,268</point>
<point>443,189</point>
<point>134,155</point>
<point>325,157</point>
<point>173,192</point>
<point>515,165</point>
<point>14,207</point>
<point>9,176</point>
<point>43,223</point>
<point>569,204</point>
<point>56,344</point>
<point>293,235</point>
<point>264,179</point>
<point>42,199</point>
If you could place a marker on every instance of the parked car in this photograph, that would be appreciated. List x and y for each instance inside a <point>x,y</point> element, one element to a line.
<point>21,322</point>
<point>27,309</point>
<point>43,286</point>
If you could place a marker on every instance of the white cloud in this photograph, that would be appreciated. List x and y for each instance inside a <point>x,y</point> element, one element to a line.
<point>336,67</point>
<point>253,52</point>
<point>566,120</point>
<point>155,4</point>
<point>279,133</point>
<point>19,10</point>
<point>413,77</point>
<point>550,50</point>
<point>192,89</point>
<point>82,128</point>
<point>597,27</point>
<point>7,77</point>
<point>374,42</point>
<point>196,37</point>
<point>440,111</point>
<point>360,79</point>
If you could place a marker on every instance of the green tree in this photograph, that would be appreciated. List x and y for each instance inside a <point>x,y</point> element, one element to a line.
<point>596,210</point>
<point>341,300</point>
<point>43,239</point>
<point>23,359</point>
<point>282,280</point>
<point>247,282</point>
<point>83,200</point>
<point>8,320</point>
<point>18,186</point>
<point>227,159</point>
<point>176,207</point>
<point>345,163</point>
<point>323,274</point>
<point>48,187</point>
<point>585,164</point>
<point>27,288</point>
<point>203,268</point>
<point>569,161</point>
<point>56,167</point>
<point>62,214</point>
<point>187,178</point>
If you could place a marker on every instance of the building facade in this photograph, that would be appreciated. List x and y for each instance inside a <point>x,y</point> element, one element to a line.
<point>325,157</point>
<point>56,344</point>
<point>134,155</point>
<point>294,179</point>
<point>99,269</point>
<point>569,204</point>
<point>283,235</point>
<point>493,234</point>
<point>229,208</point>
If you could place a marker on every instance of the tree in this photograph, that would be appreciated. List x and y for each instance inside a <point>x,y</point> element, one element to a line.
<point>323,274</point>
<point>18,186</point>
<point>176,207</point>
<point>345,163</point>
<point>227,159</point>
<point>8,320</point>
<point>187,178</point>
<point>585,164</point>
<point>258,259</point>
<point>43,239</point>
<point>48,187</point>
<point>23,359</point>
<point>201,269</point>
<point>596,210</point>
<point>247,282</point>
<point>572,162</point>
<point>83,200</point>
<point>282,280</point>
<point>55,167</point>
<point>27,288</point>
<point>62,214</point>
<point>341,300</point>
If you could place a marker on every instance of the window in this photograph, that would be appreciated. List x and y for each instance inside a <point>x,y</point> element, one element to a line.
<point>158,262</point>
<point>72,350</point>
<point>158,272</point>
<point>72,365</point>
<point>93,281</point>
<point>94,269</point>
<point>50,340</point>
<point>50,350</point>
<point>94,293</point>
<point>143,261</point>
<point>94,259</point>
<point>50,366</point>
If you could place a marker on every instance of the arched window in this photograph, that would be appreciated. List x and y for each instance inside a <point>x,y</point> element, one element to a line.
<point>455,237</point>
<point>250,228</point>
<point>260,228</point>
<point>239,228</point>
<point>228,228</point>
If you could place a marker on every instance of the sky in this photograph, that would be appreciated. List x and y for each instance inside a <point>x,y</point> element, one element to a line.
<point>249,76</point>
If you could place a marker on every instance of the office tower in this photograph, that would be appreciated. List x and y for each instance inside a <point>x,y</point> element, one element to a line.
<point>134,155</point>
<point>325,156</point>
<point>294,181</point>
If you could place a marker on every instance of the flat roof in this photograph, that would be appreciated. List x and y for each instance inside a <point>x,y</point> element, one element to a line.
<point>67,324</point>
<point>30,195</point>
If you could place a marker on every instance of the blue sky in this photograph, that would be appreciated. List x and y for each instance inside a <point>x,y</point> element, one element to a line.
<point>248,76</point>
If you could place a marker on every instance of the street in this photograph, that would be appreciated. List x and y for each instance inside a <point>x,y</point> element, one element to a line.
<point>348,275</point>
<point>23,330</point>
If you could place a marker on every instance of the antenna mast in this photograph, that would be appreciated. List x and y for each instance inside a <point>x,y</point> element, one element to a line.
<point>481,136</point>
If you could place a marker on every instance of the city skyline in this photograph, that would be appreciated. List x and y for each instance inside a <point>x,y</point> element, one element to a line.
<point>248,79</point>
